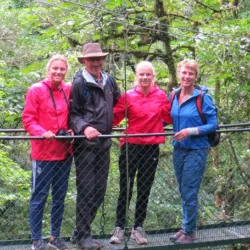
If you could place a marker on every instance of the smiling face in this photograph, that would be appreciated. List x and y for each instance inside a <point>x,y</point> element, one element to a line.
<point>187,76</point>
<point>187,71</point>
<point>57,71</point>
<point>145,77</point>
<point>94,65</point>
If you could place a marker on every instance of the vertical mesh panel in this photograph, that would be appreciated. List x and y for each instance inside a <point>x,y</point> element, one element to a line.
<point>223,198</point>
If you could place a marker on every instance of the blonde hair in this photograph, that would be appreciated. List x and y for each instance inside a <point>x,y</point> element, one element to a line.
<point>189,63</point>
<point>144,64</point>
<point>54,58</point>
<point>141,65</point>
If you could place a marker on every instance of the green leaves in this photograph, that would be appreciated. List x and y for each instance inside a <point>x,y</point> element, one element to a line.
<point>13,178</point>
<point>164,32</point>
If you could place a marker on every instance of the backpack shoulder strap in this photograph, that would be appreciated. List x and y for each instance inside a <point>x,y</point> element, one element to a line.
<point>110,80</point>
<point>199,102</point>
<point>82,82</point>
<point>84,91</point>
<point>172,96</point>
<point>80,78</point>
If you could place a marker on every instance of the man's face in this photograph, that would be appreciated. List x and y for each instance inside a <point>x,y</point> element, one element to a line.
<point>94,65</point>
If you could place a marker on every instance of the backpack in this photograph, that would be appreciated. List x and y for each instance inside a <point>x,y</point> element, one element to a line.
<point>214,137</point>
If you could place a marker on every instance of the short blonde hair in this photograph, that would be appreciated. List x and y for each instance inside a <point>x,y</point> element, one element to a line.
<point>144,64</point>
<point>141,65</point>
<point>54,58</point>
<point>189,63</point>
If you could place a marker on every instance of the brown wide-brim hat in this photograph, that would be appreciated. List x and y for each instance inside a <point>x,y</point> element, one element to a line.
<point>91,50</point>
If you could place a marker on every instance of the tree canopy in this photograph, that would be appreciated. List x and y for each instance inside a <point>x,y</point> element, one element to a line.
<point>215,33</point>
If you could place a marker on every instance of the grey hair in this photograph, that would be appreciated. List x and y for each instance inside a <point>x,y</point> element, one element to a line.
<point>54,58</point>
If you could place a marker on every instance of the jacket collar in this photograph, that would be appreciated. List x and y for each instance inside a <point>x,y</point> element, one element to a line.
<point>48,83</point>
<point>90,78</point>
<point>196,92</point>
<point>153,89</point>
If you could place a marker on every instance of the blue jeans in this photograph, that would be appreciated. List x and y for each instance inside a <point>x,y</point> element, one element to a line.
<point>44,175</point>
<point>189,167</point>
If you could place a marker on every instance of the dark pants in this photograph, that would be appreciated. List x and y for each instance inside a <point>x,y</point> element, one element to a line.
<point>142,159</point>
<point>44,175</point>
<point>92,168</point>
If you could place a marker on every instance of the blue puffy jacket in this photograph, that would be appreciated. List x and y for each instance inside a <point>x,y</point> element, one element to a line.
<point>186,115</point>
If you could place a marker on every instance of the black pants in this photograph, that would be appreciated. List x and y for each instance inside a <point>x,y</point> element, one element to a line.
<point>142,159</point>
<point>92,168</point>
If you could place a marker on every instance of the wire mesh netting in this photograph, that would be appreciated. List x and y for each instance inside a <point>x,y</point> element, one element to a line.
<point>223,197</point>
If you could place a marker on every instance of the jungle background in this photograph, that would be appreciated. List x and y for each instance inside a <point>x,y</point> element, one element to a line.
<point>214,32</point>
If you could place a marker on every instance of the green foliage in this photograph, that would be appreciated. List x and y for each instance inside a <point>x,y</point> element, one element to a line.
<point>13,178</point>
<point>14,193</point>
<point>21,3</point>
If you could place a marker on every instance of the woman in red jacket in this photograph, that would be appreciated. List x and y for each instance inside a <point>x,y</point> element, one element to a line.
<point>46,114</point>
<point>146,107</point>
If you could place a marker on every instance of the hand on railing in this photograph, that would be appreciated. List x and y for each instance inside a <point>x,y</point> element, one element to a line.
<point>49,135</point>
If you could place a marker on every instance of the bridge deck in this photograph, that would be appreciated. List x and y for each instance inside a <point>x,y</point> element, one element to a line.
<point>206,238</point>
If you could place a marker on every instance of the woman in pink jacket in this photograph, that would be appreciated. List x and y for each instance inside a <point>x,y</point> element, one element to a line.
<point>46,114</point>
<point>146,107</point>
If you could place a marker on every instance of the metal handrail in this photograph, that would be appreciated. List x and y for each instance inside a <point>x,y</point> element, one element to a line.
<point>112,135</point>
<point>117,129</point>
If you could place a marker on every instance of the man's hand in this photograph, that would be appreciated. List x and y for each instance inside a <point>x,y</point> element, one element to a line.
<point>91,133</point>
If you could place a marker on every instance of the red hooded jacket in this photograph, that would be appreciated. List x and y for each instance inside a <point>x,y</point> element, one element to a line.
<point>39,116</point>
<point>145,114</point>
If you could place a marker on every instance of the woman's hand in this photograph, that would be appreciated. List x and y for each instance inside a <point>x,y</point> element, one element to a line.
<point>49,135</point>
<point>181,135</point>
<point>72,134</point>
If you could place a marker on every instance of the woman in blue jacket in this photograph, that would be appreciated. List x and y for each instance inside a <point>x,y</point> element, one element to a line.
<point>190,145</point>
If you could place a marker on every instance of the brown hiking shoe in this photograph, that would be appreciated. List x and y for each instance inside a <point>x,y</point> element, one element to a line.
<point>39,245</point>
<point>57,244</point>
<point>186,238</point>
<point>176,236</point>
<point>89,243</point>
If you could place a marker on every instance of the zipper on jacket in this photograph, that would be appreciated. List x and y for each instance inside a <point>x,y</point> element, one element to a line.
<point>93,102</point>
<point>106,104</point>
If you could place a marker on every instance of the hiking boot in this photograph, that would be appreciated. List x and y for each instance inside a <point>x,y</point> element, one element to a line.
<point>139,236</point>
<point>186,238</point>
<point>73,239</point>
<point>176,236</point>
<point>57,244</point>
<point>99,244</point>
<point>39,245</point>
<point>89,243</point>
<point>118,236</point>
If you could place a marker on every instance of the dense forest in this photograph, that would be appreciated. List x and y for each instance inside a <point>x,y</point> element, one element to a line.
<point>214,32</point>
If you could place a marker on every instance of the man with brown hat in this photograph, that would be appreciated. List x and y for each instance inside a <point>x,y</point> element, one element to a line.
<point>93,95</point>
